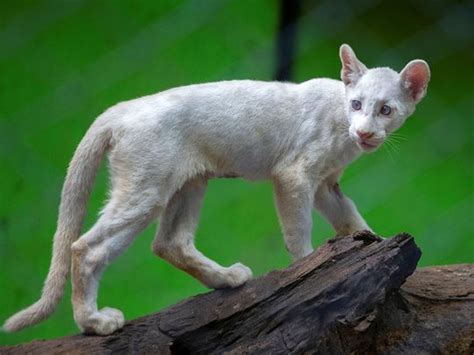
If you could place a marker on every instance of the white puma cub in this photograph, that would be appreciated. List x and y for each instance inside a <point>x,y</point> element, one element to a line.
<point>164,147</point>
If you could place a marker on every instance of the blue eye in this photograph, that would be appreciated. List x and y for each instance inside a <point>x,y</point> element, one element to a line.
<point>356,105</point>
<point>386,110</point>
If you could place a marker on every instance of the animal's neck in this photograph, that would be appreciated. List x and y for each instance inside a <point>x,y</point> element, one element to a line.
<point>343,148</point>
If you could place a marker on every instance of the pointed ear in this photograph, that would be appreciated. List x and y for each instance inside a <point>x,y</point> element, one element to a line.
<point>414,78</point>
<point>352,68</point>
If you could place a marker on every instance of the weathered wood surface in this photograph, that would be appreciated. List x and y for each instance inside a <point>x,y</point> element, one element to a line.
<point>344,298</point>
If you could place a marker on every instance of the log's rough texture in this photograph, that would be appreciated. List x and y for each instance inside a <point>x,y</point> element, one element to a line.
<point>345,298</point>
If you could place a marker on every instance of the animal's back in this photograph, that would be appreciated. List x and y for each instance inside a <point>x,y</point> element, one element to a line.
<point>244,123</point>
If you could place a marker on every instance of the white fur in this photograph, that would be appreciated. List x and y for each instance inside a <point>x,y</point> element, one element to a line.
<point>163,148</point>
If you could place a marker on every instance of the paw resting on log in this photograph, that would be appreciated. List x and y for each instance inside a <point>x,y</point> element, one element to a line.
<point>346,298</point>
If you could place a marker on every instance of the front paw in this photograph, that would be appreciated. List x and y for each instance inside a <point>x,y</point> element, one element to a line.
<point>366,236</point>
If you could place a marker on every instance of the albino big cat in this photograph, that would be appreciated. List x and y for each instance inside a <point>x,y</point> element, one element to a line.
<point>163,149</point>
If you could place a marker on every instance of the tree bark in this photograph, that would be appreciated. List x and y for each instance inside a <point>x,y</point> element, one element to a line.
<point>345,298</point>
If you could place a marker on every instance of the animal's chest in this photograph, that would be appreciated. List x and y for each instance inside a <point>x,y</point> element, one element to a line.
<point>332,158</point>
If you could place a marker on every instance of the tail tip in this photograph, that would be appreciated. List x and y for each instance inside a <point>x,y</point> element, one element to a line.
<point>5,328</point>
<point>13,324</point>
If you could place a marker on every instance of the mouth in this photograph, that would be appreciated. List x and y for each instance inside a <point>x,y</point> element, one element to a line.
<point>367,146</point>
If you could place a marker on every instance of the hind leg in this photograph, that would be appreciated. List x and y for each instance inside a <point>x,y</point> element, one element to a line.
<point>174,241</point>
<point>107,239</point>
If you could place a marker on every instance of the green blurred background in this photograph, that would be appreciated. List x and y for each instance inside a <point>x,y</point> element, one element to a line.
<point>62,63</point>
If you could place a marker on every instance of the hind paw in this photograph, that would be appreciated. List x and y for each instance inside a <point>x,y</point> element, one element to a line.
<point>102,322</point>
<point>230,277</point>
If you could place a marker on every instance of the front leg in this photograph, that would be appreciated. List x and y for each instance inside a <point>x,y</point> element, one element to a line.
<point>294,200</point>
<point>338,209</point>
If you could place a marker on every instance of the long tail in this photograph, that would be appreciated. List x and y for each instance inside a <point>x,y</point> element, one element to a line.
<point>75,194</point>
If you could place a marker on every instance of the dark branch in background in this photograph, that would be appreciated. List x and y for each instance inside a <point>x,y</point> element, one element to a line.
<point>286,40</point>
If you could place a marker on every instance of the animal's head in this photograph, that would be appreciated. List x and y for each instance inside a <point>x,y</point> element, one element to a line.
<point>379,100</point>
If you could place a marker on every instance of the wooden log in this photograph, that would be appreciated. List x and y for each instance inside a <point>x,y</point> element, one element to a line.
<point>344,298</point>
<point>433,313</point>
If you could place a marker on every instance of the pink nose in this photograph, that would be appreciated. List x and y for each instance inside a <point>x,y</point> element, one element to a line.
<point>365,135</point>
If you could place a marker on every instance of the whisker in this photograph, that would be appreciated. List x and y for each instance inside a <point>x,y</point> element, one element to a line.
<point>396,144</point>
<point>388,152</point>
<point>393,146</point>
<point>395,140</point>
<point>398,136</point>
